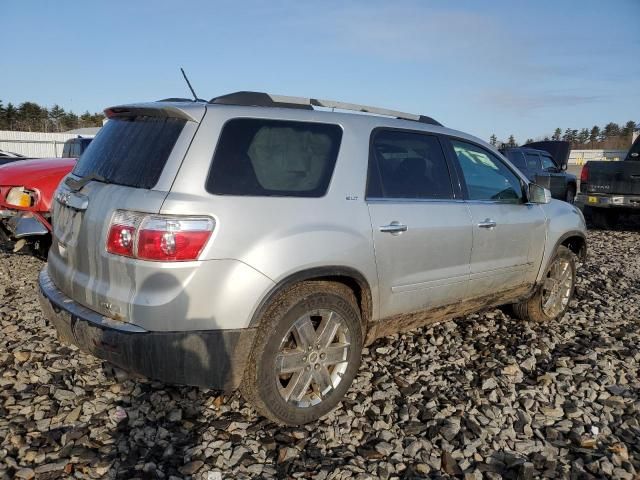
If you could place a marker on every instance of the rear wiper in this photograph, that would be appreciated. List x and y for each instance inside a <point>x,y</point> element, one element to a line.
<point>76,185</point>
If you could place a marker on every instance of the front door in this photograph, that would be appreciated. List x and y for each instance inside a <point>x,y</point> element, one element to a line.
<point>508,234</point>
<point>557,178</point>
<point>421,230</point>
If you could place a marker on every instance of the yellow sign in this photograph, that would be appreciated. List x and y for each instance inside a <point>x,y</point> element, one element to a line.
<point>593,199</point>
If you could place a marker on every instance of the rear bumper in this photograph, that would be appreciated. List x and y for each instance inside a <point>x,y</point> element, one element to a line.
<point>608,200</point>
<point>204,358</point>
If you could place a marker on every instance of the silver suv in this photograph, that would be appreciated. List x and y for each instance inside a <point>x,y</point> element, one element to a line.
<point>259,243</point>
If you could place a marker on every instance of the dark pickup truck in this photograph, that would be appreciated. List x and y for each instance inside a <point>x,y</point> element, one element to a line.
<point>545,163</point>
<point>608,188</point>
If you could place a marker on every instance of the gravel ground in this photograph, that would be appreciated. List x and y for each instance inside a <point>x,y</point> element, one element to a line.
<point>484,396</point>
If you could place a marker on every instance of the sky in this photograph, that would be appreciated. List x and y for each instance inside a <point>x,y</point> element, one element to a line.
<point>504,66</point>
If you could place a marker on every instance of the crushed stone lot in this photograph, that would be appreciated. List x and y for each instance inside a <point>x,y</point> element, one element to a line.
<point>486,396</point>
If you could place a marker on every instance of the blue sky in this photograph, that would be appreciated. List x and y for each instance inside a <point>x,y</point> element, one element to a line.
<point>505,66</point>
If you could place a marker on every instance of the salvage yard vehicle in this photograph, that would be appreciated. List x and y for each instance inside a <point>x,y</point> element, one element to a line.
<point>609,188</point>
<point>26,194</point>
<point>8,157</point>
<point>545,163</point>
<point>256,242</point>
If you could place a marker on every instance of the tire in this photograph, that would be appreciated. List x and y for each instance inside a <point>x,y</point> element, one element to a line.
<point>283,332</point>
<point>603,219</point>
<point>570,195</point>
<point>534,308</point>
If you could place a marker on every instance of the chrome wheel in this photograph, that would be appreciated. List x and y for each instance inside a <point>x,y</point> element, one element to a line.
<point>313,357</point>
<point>556,290</point>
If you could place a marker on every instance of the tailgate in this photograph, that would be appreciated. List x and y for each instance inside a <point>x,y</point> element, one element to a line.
<point>134,160</point>
<point>614,177</point>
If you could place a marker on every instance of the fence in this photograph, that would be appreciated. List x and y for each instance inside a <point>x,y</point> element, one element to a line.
<point>34,144</point>
<point>580,157</point>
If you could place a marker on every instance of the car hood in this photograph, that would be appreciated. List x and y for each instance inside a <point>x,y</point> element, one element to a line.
<point>29,172</point>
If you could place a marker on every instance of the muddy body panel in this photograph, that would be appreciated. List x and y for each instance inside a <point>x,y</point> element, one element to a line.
<point>204,358</point>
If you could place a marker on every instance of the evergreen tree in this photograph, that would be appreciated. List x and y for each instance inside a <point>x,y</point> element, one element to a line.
<point>627,130</point>
<point>570,135</point>
<point>493,140</point>
<point>55,115</point>
<point>529,140</point>
<point>557,134</point>
<point>594,135</point>
<point>611,130</point>
<point>511,143</point>
<point>583,136</point>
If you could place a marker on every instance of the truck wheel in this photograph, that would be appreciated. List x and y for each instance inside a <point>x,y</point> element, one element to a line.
<point>603,219</point>
<point>306,354</point>
<point>571,194</point>
<point>551,300</point>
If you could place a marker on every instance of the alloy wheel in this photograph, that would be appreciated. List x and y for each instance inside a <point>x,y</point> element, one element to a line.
<point>313,357</point>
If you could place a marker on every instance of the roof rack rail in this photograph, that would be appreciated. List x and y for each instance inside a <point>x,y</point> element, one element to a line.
<point>261,99</point>
<point>180,99</point>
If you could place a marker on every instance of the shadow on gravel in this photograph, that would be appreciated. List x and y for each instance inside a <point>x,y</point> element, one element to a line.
<point>159,429</point>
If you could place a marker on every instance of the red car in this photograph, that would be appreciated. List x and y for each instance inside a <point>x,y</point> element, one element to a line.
<point>26,197</point>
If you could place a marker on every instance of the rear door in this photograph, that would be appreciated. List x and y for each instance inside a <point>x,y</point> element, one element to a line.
<point>421,227</point>
<point>508,234</point>
<point>136,157</point>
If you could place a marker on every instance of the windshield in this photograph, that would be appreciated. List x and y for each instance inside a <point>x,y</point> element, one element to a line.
<point>131,151</point>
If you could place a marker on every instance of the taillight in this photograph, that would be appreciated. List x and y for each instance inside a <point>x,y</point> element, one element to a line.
<point>584,174</point>
<point>158,237</point>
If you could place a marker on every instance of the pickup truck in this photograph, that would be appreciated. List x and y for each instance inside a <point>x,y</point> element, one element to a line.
<point>608,189</point>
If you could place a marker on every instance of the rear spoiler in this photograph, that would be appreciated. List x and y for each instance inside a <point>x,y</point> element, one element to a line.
<point>157,110</point>
<point>558,149</point>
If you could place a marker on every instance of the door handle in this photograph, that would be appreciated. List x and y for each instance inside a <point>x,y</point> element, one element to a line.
<point>488,223</point>
<point>394,228</point>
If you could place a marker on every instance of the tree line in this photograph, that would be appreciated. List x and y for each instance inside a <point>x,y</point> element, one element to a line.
<point>31,117</point>
<point>610,137</point>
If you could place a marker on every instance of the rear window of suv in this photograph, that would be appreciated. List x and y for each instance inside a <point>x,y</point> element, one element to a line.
<point>259,157</point>
<point>131,151</point>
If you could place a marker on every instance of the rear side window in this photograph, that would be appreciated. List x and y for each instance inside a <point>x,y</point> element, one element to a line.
<point>517,158</point>
<point>131,151</point>
<point>259,157</point>
<point>533,162</point>
<point>407,165</point>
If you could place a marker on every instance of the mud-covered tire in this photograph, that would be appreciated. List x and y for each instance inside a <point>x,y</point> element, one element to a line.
<point>533,309</point>
<point>262,386</point>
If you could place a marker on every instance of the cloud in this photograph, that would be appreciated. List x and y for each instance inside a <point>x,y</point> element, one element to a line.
<point>516,101</point>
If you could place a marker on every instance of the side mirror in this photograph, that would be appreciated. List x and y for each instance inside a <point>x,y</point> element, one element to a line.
<point>538,194</point>
<point>564,167</point>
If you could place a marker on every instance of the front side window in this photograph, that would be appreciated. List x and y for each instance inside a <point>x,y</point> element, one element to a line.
<point>487,178</point>
<point>547,164</point>
<point>407,165</point>
<point>259,157</point>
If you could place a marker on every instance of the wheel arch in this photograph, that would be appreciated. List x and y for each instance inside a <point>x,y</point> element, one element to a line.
<point>347,276</point>
<point>574,240</point>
